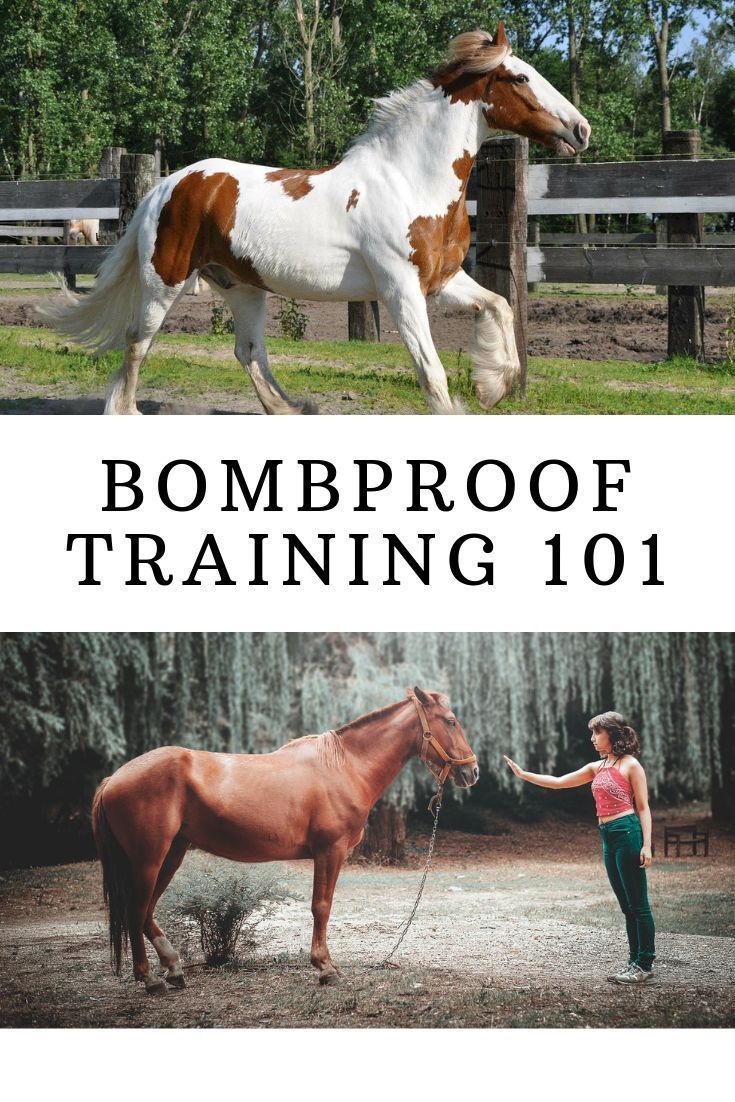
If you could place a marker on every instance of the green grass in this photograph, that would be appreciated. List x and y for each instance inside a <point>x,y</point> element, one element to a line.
<point>380,376</point>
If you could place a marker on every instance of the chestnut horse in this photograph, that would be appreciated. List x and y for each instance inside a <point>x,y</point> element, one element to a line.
<point>309,799</point>
<point>388,221</point>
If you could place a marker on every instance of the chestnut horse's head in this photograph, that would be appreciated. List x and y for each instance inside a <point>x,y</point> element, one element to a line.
<point>510,93</point>
<point>448,749</point>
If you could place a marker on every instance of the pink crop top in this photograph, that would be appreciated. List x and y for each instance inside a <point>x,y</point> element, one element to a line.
<point>612,791</point>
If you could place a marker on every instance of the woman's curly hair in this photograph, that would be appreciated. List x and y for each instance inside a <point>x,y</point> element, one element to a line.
<point>623,739</point>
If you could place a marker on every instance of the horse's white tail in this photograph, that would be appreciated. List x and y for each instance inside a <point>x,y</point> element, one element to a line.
<point>101,318</point>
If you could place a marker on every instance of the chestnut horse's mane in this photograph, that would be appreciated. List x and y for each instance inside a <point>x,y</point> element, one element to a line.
<point>379,713</point>
<point>329,747</point>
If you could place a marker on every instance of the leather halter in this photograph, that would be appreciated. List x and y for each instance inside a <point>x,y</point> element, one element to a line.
<point>428,740</point>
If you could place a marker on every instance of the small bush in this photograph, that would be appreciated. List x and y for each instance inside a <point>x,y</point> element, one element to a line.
<point>226,903</point>
<point>222,322</point>
<point>293,320</point>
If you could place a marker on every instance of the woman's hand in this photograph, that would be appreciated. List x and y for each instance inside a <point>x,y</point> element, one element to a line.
<point>646,857</point>
<point>516,768</point>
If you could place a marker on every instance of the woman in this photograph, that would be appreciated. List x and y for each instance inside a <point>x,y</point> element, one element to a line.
<point>618,786</point>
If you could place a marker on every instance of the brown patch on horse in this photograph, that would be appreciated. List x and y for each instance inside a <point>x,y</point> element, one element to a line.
<point>439,244</point>
<point>352,201</point>
<point>296,182</point>
<point>194,230</point>
<point>511,105</point>
<point>460,86</point>
<point>463,77</point>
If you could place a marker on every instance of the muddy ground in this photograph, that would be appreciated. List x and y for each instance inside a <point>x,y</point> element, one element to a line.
<point>515,929</point>
<point>624,327</point>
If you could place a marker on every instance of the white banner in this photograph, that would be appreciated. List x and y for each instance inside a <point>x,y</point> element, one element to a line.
<point>610,506</point>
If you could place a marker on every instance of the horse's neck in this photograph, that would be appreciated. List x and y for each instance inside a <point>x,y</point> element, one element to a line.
<point>379,750</point>
<point>425,138</point>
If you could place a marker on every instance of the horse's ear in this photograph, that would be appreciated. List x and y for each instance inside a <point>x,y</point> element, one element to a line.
<point>422,697</point>
<point>501,38</point>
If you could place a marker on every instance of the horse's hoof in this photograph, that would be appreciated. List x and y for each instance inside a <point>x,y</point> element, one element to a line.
<point>158,987</point>
<point>176,981</point>
<point>328,978</point>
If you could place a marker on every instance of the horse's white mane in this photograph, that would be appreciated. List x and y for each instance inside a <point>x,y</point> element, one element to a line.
<point>472,52</point>
<point>395,107</point>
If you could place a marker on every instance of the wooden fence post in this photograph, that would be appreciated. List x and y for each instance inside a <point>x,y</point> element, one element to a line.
<point>363,321</point>
<point>69,277</point>
<point>686,304</point>
<point>502,219</point>
<point>109,169</point>
<point>137,177</point>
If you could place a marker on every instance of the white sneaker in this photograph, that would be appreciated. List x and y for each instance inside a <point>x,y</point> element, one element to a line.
<point>618,972</point>
<point>634,974</point>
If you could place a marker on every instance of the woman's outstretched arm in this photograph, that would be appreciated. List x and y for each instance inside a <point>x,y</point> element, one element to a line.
<point>585,775</point>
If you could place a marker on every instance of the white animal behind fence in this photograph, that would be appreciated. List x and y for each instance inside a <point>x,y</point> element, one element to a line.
<point>388,222</point>
<point>86,228</point>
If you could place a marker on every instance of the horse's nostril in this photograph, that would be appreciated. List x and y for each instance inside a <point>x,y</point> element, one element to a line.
<point>582,131</point>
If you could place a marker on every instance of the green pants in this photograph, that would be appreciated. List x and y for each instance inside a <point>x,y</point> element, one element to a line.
<point>622,840</point>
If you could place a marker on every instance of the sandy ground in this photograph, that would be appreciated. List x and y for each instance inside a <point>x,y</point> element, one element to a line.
<point>599,328</point>
<point>508,933</point>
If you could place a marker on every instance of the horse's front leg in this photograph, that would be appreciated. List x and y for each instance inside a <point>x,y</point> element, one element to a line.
<point>495,366</point>
<point>402,295</point>
<point>327,865</point>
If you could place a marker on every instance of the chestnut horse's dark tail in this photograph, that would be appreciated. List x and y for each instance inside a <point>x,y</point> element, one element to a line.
<point>117,884</point>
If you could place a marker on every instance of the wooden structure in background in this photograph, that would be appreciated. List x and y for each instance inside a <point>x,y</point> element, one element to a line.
<point>692,836</point>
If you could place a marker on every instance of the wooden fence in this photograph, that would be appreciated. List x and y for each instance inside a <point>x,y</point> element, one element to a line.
<point>508,191</point>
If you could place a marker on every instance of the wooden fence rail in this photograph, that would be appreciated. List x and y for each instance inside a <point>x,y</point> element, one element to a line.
<point>64,199</point>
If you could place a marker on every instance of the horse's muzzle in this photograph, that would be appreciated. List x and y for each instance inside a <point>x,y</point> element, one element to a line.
<point>570,142</point>
<point>464,776</point>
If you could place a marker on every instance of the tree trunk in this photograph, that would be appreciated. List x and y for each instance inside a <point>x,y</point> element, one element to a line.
<point>385,835</point>
<point>307,33</point>
<point>575,80</point>
<point>664,84</point>
<point>723,786</point>
<point>660,42</point>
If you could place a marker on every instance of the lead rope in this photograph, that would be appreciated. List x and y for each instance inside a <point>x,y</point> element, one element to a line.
<point>435,806</point>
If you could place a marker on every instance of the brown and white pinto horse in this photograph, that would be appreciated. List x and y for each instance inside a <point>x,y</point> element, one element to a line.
<point>309,799</point>
<point>388,221</point>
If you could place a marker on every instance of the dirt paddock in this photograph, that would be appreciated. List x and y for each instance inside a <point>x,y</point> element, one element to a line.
<point>588,327</point>
<point>514,929</point>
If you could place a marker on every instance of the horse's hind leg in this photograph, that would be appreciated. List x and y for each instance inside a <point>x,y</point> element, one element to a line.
<point>138,340</point>
<point>248,306</point>
<point>169,958</point>
<point>145,877</point>
<point>495,366</point>
<point>327,867</point>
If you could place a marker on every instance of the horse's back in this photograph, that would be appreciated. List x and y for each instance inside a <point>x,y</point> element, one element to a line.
<point>291,231</point>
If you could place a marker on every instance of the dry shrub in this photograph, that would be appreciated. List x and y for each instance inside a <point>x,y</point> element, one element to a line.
<point>226,904</point>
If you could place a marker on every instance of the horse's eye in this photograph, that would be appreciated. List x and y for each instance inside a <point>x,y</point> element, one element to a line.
<point>521,79</point>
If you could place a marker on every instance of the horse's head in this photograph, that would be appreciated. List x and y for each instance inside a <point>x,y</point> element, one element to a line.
<point>510,93</point>
<point>447,750</point>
